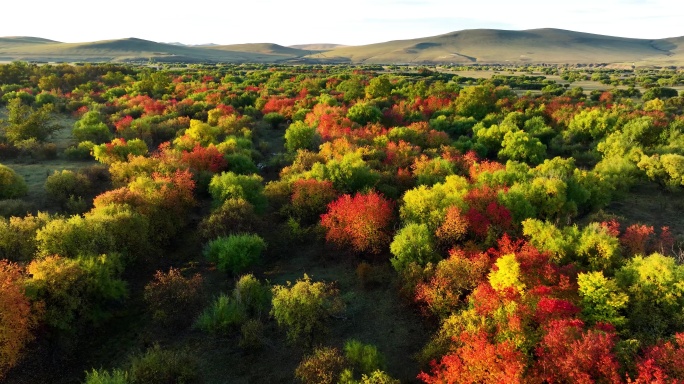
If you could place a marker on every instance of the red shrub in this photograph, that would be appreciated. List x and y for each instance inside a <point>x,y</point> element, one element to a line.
<point>362,222</point>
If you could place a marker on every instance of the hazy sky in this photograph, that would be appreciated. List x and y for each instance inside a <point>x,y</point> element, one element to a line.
<point>351,22</point>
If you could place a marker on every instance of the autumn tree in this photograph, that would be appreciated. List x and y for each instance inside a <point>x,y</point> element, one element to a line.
<point>16,317</point>
<point>569,353</point>
<point>361,222</point>
<point>477,359</point>
<point>174,300</point>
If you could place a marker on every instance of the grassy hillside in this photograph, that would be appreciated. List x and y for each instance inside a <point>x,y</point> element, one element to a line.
<point>500,46</point>
<point>552,46</point>
<point>317,47</point>
<point>129,49</point>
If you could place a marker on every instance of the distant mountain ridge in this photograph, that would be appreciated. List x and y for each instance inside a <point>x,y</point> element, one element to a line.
<point>483,46</point>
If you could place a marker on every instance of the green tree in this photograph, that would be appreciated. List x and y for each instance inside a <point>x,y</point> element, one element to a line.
<point>60,186</point>
<point>235,253</point>
<point>12,185</point>
<point>24,122</point>
<point>378,87</point>
<point>602,300</point>
<point>229,185</point>
<point>364,113</point>
<point>91,127</point>
<point>521,146</point>
<point>656,295</point>
<point>301,136</point>
<point>413,244</point>
<point>305,307</point>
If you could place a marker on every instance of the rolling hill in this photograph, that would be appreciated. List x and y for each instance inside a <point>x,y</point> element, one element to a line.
<point>500,46</point>
<point>486,46</point>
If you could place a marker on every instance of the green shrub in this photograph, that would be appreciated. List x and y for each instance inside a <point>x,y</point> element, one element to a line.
<point>229,185</point>
<point>60,186</point>
<point>15,207</point>
<point>18,236</point>
<point>413,244</point>
<point>235,253</point>
<point>305,307</point>
<point>102,376</point>
<point>274,119</point>
<point>222,316</point>
<point>301,136</point>
<point>250,301</point>
<point>365,357</point>
<point>11,184</point>
<point>82,151</point>
<point>233,216</point>
<point>164,366</point>
<point>254,296</point>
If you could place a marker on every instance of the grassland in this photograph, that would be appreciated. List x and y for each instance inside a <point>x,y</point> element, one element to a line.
<point>550,46</point>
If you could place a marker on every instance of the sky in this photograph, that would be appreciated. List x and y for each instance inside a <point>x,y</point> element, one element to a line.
<point>348,22</point>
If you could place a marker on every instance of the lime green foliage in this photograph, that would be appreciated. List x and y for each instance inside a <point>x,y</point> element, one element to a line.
<point>101,376</point>
<point>364,357</point>
<point>162,366</point>
<point>18,236</point>
<point>75,290</point>
<point>428,205</point>
<point>11,184</point>
<point>546,237</point>
<point>82,151</point>
<point>591,247</point>
<point>506,274</point>
<point>91,127</point>
<point>590,125</point>
<point>304,308</point>
<point>476,101</point>
<point>520,145</point>
<point>492,137</point>
<point>113,228</point>
<point>597,249</point>
<point>378,87</point>
<point>229,185</point>
<point>235,253</point>
<point>241,163</point>
<point>24,123</point>
<point>301,136</point>
<point>602,300</point>
<point>249,301</point>
<point>432,171</point>
<point>222,316</point>
<point>364,113</point>
<point>62,185</point>
<point>655,285</point>
<point>667,169</point>
<point>375,377</point>
<point>349,174</point>
<point>413,244</point>
<point>119,150</point>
